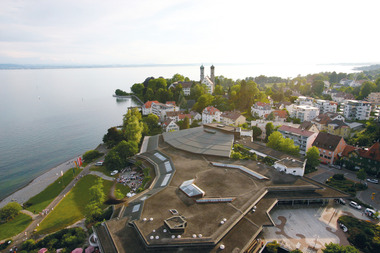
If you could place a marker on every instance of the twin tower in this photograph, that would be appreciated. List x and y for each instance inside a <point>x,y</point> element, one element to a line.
<point>212,73</point>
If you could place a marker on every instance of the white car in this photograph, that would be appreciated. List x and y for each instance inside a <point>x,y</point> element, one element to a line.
<point>100,163</point>
<point>113,173</point>
<point>374,181</point>
<point>355,205</point>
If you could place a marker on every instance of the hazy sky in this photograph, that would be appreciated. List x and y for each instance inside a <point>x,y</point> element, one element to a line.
<point>189,31</point>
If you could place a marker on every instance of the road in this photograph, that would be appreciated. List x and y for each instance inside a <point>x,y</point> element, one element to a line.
<point>324,172</point>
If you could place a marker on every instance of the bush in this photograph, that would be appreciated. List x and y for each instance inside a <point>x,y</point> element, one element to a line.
<point>5,244</point>
<point>338,176</point>
<point>91,155</point>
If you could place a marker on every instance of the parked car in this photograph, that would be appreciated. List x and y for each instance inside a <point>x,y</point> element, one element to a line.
<point>113,173</point>
<point>374,181</point>
<point>355,205</point>
<point>340,201</point>
<point>343,227</point>
<point>100,163</point>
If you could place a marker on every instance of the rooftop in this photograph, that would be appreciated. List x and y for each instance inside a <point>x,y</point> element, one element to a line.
<point>294,130</point>
<point>291,163</point>
<point>327,141</point>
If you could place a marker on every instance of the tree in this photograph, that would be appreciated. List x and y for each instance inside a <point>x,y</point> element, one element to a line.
<point>97,197</point>
<point>112,161</point>
<point>296,251</point>
<point>9,211</point>
<point>203,101</point>
<point>125,150</point>
<point>272,247</point>
<point>186,123</point>
<point>113,137</point>
<point>133,130</point>
<point>336,248</point>
<point>218,90</point>
<point>269,130</point>
<point>270,116</point>
<point>275,140</point>
<point>138,90</point>
<point>312,156</point>
<point>361,175</point>
<point>256,132</point>
<point>288,147</point>
<point>366,88</point>
<point>317,87</point>
<point>151,122</point>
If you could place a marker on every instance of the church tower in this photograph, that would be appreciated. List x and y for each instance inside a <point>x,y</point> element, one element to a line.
<point>202,73</point>
<point>212,77</point>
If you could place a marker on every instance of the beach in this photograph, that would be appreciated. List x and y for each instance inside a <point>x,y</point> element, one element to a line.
<point>38,184</point>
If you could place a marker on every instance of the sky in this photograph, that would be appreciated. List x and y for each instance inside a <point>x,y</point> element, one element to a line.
<point>99,32</point>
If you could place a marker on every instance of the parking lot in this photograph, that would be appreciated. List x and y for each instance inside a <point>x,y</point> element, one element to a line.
<point>131,178</point>
<point>309,228</point>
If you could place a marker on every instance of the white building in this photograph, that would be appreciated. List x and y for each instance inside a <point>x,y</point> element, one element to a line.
<point>209,84</point>
<point>326,106</point>
<point>305,112</point>
<point>374,98</point>
<point>357,110</point>
<point>302,100</point>
<point>210,114</point>
<point>161,109</point>
<point>261,109</point>
<point>170,126</point>
<point>302,138</point>
<point>186,87</point>
<point>147,107</point>
<point>290,166</point>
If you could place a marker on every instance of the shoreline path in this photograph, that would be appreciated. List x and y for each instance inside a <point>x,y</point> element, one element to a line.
<point>37,219</point>
<point>38,184</point>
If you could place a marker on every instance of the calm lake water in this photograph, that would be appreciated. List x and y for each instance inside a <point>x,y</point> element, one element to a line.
<point>48,116</point>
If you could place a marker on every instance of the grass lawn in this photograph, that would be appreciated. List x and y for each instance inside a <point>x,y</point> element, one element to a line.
<point>15,226</point>
<point>101,169</point>
<point>43,199</point>
<point>72,208</point>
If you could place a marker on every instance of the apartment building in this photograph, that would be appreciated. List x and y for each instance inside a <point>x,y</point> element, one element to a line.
<point>261,109</point>
<point>374,98</point>
<point>326,106</point>
<point>329,146</point>
<point>302,138</point>
<point>357,110</point>
<point>305,112</point>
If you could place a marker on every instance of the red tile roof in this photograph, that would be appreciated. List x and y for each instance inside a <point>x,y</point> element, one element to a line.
<point>348,149</point>
<point>170,103</point>
<point>281,114</point>
<point>149,103</point>
<point>372,153</point>
<point>183,116</point>
<point>262,104</point>
<point>211,110</point>
<point>296,131</point>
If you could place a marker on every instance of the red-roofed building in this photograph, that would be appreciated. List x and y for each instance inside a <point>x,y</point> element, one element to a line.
<point>330,147</point>
<point>147,107</point>
<point>279,115</point>
<point>367,158</point>
<point>210,114</point>
<point>302,138</point>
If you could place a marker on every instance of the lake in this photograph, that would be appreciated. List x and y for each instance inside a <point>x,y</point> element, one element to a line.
<point>48,116</point>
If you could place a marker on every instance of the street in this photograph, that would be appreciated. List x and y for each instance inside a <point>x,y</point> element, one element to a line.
<point>324,172</point>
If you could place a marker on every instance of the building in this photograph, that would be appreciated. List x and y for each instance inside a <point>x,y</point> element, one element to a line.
<point>160,109</point>
<point>322,119</point>
<point>169,125</point>
<point>232,118</point>
<point>186,87</point>
<point>368,159</point>
<point>196,115</point>
<point>210,114</point>
<point>260,109</point>
<point>326,106</point>
<point>208,81</point>
<point>374,98</point>
<point>357,110</point>
<point>330,147</point>
<point>178,115</point>
<point>189,189</point>
<point>302,100</point>
<point>305,112</point>
<point>147,107</point>
<point>309,126</point>
<point>341,97</point>
<point>279,115</point>
<point>262,123</point>
<point>290,166</point>
<point>302,138</point>
<point>338,127</point>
